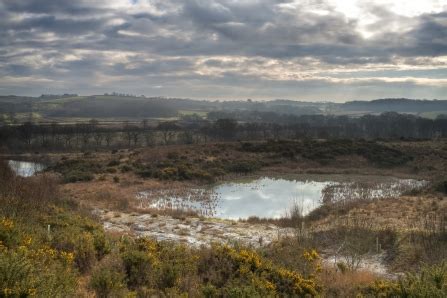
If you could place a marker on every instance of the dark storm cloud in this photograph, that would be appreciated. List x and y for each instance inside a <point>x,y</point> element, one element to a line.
<point>52,24</point>
<point>91,41</point>
<point>49,6</point>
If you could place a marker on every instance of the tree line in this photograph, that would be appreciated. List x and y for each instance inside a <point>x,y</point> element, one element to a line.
<point>95,134</point>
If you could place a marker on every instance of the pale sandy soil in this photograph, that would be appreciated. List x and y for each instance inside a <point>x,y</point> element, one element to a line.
<point>192,230</point>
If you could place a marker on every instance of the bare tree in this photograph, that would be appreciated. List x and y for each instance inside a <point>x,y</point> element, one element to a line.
<point>168,130</point>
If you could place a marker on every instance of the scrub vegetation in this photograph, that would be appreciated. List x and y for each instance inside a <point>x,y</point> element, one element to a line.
<point>56,239</point>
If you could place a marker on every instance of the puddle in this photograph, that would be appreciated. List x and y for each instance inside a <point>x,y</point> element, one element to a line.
<point>271,198</point>
<point>25,168</point>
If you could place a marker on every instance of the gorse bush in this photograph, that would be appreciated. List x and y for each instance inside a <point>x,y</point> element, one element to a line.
<point>430,282</point>
<point>35,260</point>
<point>108,279</point>
<point>150,264</point>
<point>29,267</point>
<point>228,271</point>
<point>29,272</point>
<point>157,268</point>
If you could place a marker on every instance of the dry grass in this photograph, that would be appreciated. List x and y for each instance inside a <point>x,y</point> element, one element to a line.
<point>348,284</point>
<point>403,213</point>
<point>21,195</point>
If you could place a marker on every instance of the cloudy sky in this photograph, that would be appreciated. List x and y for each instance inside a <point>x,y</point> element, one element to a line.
<point>226,49</point>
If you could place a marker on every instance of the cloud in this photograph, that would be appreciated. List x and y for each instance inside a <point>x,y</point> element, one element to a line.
<point>196,47</point>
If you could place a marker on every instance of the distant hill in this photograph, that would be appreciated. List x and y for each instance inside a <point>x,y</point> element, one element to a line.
<point>47,107</point>
<point>108,106</point>
<point>402,105</point>
<point>17,109</point>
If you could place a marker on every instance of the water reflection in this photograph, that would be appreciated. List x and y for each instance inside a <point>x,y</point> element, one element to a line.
<point>266,197</point>
<point>271,198</point>
<point>25,168</point>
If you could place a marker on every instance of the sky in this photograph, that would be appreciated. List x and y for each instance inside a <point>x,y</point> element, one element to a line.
<point>319,50</point>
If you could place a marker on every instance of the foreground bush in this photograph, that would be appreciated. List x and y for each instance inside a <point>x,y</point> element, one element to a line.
<point>108,279</point>
<point>44,241</point>
<point>430,282</point>
<point>235,273</point>
<point>44,272</point>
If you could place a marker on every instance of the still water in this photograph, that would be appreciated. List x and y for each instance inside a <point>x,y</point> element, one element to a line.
<point>266,197</point>
<point>272,198</point>
<point>25,168</point>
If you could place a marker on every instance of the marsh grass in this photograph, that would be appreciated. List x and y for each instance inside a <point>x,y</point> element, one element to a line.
<point>293,217</point>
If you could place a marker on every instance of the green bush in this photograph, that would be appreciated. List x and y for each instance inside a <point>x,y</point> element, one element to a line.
<point>430,282</point>
<point>78,169</point>
<point>85,253</point>
<point>125,168</point>
<point>108,279</point>
<point>138,267</point>
<point>101,244</point>
<point>9,235</point>
<point>28,272</point>
<point>77,176</point>
<point>79,235</point>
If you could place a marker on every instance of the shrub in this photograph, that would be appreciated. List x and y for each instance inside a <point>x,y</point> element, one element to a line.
<point>177,267</point>
<point>138,267</point>
<point>77,170</point>
<point>441,186</point>
<point>111,170</point>
<point>78,235</point>
<point>77,176</point>
<point>125,168</point>
<point>173,155</point>
<point>85,253</point>
<point>168,173</point>
<point>108,279</point>
<point>244,272</point>
<point>9,236</point>
<point>28,272</point>
<point>113,163</point>
<point>243,167</point>
<point>101,244</point>
<point>430,282</point>
<point>326,151</point>
<point>146,173</point>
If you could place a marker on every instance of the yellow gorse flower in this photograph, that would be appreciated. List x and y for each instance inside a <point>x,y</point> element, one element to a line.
<point>251,264</point>
<point>67,256</point>
<point>27,240</point>
<point>7,223</point>
<point>311,255</point>
<point>7,291</point>
<point>32,292</point>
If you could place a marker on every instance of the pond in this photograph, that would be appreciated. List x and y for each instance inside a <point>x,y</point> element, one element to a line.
<point>272,198</point>
<point>25,168</point>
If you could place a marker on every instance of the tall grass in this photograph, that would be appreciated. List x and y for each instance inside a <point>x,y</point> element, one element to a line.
<point>293,217</point>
